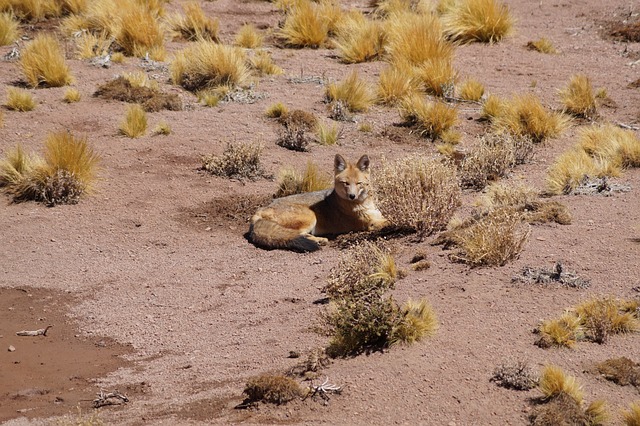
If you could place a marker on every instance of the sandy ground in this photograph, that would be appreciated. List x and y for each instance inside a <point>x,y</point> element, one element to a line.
<point>153,289</point>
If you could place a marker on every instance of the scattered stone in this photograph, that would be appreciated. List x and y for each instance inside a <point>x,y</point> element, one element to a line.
<point>530,275</point>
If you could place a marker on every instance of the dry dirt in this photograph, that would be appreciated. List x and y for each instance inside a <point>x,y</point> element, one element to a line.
<point>153,290</point>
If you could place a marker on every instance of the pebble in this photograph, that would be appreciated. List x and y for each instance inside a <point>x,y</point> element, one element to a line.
<point>12,349</point>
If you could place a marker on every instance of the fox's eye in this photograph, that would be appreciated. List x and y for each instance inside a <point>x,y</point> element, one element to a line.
<point>359,183</point>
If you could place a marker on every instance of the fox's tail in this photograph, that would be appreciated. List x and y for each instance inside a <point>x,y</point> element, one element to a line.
<point>269,234</point>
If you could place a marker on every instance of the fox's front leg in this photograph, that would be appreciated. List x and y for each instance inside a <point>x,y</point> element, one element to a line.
<point>320,240</point>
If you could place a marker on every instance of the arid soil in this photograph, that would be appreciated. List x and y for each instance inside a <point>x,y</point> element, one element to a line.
<point>153,289</point>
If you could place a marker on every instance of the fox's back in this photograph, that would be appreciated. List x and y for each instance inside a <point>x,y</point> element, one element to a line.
<point>303,199</point>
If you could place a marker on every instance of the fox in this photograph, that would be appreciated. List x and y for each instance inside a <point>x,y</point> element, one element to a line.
<point>303,222</point>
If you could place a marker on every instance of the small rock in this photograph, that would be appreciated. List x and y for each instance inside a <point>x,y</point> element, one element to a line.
<point>12,348</point>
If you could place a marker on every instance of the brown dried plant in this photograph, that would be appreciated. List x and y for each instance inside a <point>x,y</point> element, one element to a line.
<point>486,21</point>
<point>43,64</point>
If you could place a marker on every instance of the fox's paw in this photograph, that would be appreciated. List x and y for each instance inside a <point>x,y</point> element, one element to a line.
<point>320,240</point>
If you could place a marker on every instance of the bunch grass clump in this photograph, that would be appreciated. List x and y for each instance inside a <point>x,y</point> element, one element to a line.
<point>19,100</point>
<point>493,107</point>
<point>194,25</point>
<point>72,95</point>
<point>162,128</point>
<point>430,118</point>
<point>354,92</point>
<point>249,37</point>
<point>241,160</point>
<point>396,82</point>
<point>263,63</point>
<point>328,133</point>
<point>417,320</point>
<point>271,388</point>
<point>554,382</point>
<point>291,182</point>
<point>471,90</point>
<point>359,39</point>
<point>305,26</point>
<point>8,28</point>
<point>67,171</point>
<point>417,193</point>
<point>542,45</point>
<point>205,65</point>
<point>578,98</point>
<point>140,32</point>
<point>485,21</point>
<point>43,64</point>
<point>276,110</point>
<point>564,331</point>
<point>135,122</point>
<point>632,417</point>
<point>89,45</point>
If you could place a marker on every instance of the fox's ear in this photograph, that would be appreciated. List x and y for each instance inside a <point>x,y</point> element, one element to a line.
<point>339,164</point>
<point>363,163</point>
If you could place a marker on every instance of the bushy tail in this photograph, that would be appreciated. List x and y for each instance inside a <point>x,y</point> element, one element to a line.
<point>269,234</point>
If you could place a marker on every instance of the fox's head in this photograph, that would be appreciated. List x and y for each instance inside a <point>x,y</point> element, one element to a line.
<point>351,180</point>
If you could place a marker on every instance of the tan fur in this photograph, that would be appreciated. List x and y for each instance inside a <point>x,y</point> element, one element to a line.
<point>302,222</point>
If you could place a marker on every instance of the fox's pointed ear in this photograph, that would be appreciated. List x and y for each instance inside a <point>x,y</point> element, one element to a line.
<point>363,163</point>
<point>339,164</point>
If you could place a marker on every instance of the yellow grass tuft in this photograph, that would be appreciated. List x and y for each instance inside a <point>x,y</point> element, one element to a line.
<point>140,79</point>
<point>194,25</point>
<point>610,142</point>
<point>578,98</point>
<point>90,45</point>
<point>276,110</point>
<point>431,119</point>
<point>486,21</point>
<point>542,45</point>
<point>418,321</point>
<point>16,166</point>
<point>291,182</point>
<point>205,65</point>
<point>162,128</point>
<point>493,107</point>
<point>328,134</point>
<point>554,381</point>
<point>417,193</point>
<point>354,92</point>
<point>524,115</point>
<point>8,28</point>
<point>632,417</point>
<point>396,82</point>
<point>416,39</point>
<point>359,39</point>
<point>72,95</point>
<point>604,316</point>
<point>135,122</point>
<point>274,389</point>
<point>19,100</point>
<point>470,90</point>
<point>140,33</point>
<point>249,37</point>
<point>569,170</point>
<point>32,10</point>
<point>117,57</point>
<point>43,64</point>
<point>263,64</point>
<point>564,331</point>
<point>438,76</point>
<point>304,26</point>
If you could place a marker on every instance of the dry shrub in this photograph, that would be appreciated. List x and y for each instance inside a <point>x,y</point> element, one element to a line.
<point>274,389</point>
<point>276,110</point>
<point>359,39</point>
<point>542,45</point>
<point>517,375</point>
<point>304,26</point>
<point>89,45</point>
<point>237,161</point>
<point>135,122</point>
<point>493,240</point>
<point>560,332</point>
<point>291,182</point>
<point>568,171</point>
<point>67,171</point>
<point>493,107</point>
<point>502,194</point>
<point>262,62</point>
<point>8,28</point>
<point>194,25</point>
<point>471,90</point>
<point>162,128</point>
<point>19,100</point>
<point>248,37</point>
<point>328,134</point>
<point>418,320</point>
<point>43,64</point>
<point>206,65</point>
<point>72,95</point>
<point>151,100</point>
<point>626,31</point>
<point>396,82</point>
<point>354,92</point>
<point>524,115</point>
<point>632,417</point>
<point>486,21</point>
<point>418,193</point>
<point>578,98</point>
<point>32,10</point>
<point>605,316</point>
<point>554,382</point>
<point>621,371</point>
<point>489,160</point>
<point>431,119</point>
<point>296,124</point>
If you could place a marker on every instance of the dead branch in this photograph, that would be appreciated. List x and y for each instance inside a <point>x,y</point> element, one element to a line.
<point>109,398</point>
<point>41,332</point>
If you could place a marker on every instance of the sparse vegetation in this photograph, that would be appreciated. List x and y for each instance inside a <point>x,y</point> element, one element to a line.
<point>621,371</point>
<point>359,39</point>
<point>517,375</point>
<point>194,25</point>
<point>276,110</point>
<point>493,107</point>
<point>632,417</point>
<point>418,320</point>
<point>43,64</point>
<point>542,45</point>
<point>138,89</point>
<point>72,95</point>
<point>430,118</point>
<point>486,21</point>
<point>471,90</point>
<point>291,182</point>
<point>578,98</point>
<point>8,28</point>
<point>162,128</point>
<point>304,25</point>
<point>274,389</point>
<point>135,122</point>
<point>67,171</point>
<point>418,193</point>
<point>354,92</point>
<point>19,100</point>
<point>249,37</point>
<point>262,62</point>
<point>328,134</point>
<point>396,82</point>
<point>239,160</point>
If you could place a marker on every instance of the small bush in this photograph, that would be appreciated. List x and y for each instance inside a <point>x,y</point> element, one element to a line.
<point>418,193</point>
<point>43,64</point>
<point>274,389</point>
<point>139,31</point>
<point>72,95</point>
<point>486,21</point>
<point>206,64</point>
<point>248,37</point>
<point>8,29</point>
<point>632,417</point>
<point>19,100</point>
<point>291,182</point>
<point>355,93</point>
<point>605,316</point>
<point>262,62</point>
<point>418,320</point>
<point>489,160</point>
<point>138,90</point>
<point>471,90</point>
<point>359,39</point>
<point>437,76</point>
<point>328,134</point>
<point>518,376</point>
<point>396,82</point>
<point>431,119</point>
<point>194,25</point>
<point>304,26</point>
<point>578,98</point>
<point>542,45</point>
<point>237,161</point>
<point>276,110</point>
<point>492,108</point>
<point>135,122</point>
<point>621,371</point>
<point>163,128</point>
